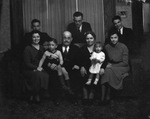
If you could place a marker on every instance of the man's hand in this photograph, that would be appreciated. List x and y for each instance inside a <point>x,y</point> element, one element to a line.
<point>52,66</point>
<point>54,56</point>
<point>39,69</point>
<point>76,67</point>
<point>83,71</point>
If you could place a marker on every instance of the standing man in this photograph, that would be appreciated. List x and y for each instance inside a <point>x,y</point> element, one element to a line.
<point>126,34</point>
<point>35,25</point>
<point>78,28</point>
<point>70,53</point>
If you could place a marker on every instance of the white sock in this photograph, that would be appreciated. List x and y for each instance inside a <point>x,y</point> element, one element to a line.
<point>96,81</point>
<point>88,82</point>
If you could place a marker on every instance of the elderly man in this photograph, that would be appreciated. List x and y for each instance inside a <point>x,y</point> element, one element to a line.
<point>70,53</point>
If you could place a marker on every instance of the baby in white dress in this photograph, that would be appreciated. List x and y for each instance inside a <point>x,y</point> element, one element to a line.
<point>97,58</point>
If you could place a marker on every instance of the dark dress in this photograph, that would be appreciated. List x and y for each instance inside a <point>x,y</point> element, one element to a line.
<point>35,80</point>
<point>115,74</point>
<point>86,62</point>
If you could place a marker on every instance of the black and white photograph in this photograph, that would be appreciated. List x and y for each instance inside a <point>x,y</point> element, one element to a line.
<point>74,59</point>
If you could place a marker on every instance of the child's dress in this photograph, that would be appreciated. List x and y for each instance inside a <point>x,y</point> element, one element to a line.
<point>95,68</point>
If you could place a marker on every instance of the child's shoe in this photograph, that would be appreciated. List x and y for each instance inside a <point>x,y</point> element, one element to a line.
<point>96,81</point>
<point>88,82</point>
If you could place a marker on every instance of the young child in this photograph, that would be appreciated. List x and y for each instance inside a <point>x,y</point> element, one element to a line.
<point>55,62</point>
<point>97,58</point>
<point>46,45</point>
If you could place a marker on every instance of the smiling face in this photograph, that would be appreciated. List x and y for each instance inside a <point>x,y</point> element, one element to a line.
<point>114,39</point>
<point>117,23</point>
<point>35,38</point>
<point>90,40</point>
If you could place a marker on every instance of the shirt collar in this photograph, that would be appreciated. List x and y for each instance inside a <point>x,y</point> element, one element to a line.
<point>67,47</point>
<point>121,30</point>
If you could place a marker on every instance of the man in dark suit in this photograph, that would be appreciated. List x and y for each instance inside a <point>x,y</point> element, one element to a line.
<point>78,28</point>
<point>35,25</point>
<point>70,53</point>
<point>126,34</point>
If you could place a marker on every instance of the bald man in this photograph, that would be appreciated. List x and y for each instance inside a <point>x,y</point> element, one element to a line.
<point>70,55</point>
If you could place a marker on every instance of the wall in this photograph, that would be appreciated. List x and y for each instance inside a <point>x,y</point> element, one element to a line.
<point>5,42</point>
<point>122,8</point>
<point>109,13</point>
<point>55,15</point>
<point>146,17</point>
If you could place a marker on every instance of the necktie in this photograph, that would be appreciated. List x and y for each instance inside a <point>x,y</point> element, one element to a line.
<point>65,51</point>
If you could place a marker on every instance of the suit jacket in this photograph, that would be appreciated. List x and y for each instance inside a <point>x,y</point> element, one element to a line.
<point>78,37</point>
<point>72,57</point>
<point>27,40</point>
<point>127,37</point>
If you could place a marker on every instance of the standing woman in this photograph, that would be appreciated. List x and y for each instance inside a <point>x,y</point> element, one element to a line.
<point>86,52</point>
<point>117,66</point>
<point>35,79</point>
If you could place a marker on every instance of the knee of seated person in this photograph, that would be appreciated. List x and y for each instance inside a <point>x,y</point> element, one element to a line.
<point>107,70</point>
<point>39,74</point>
<point>59,72</point>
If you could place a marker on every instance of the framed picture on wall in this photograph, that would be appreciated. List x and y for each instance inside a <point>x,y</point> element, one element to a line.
<point>120,1</point>
<point>122,14</point>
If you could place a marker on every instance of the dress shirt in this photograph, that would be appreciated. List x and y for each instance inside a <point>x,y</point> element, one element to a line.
<point>67,48</point>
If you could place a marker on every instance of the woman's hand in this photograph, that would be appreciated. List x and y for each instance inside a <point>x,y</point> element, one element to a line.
<point>83,71</point>
<point>52,66</point>
<point>39,69</point>
<point>94,61</point>
<point>54,56</point>
<point>108,65</point>
<point>76,67</point>
<point>102,71</point>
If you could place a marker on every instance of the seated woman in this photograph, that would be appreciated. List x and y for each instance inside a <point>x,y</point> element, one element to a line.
<point>86,52</point>
<point>117,66</point>
<point>35,80</point>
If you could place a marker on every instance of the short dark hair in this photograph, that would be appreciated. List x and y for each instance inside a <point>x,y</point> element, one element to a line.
<point>76,14</point>
<point>116,17</point>
<point>114,31</point>
<point>35,20</point>
<point>35,31</point>
<point>53,40</point>
<point>90,32</point>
